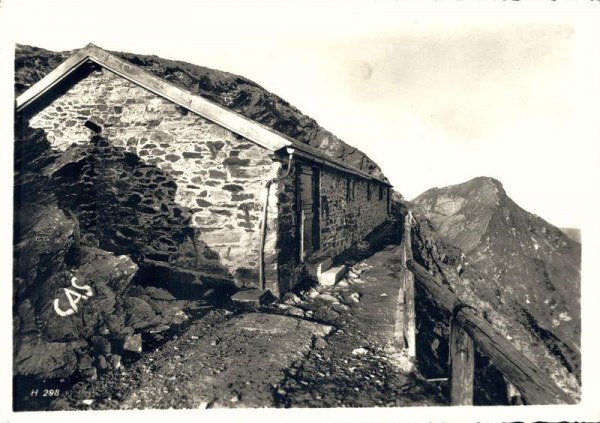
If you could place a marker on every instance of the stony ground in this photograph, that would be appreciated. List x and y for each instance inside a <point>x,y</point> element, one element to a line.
<point>327,347</point>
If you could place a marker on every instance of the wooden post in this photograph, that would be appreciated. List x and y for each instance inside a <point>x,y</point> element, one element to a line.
<point>301,236</point>
<point>399,341</point>
<point>409,293</point>
<point>409,313</point>
<point>462,365</point>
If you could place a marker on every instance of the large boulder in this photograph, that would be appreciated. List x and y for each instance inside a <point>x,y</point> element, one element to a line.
<point>43,248</point>
<point>101,292</point>
<point>48,359</point>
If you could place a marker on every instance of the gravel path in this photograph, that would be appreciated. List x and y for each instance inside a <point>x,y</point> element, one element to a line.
<point>359,365</point>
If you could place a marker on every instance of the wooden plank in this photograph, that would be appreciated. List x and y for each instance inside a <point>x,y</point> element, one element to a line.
<point>534,384</point>
<point>302,252</point>
<point>409,314</point>
<point>462,365</point>
<point>399,343</point>
<point>54,77</point>
<point>440,294</point>
<point>410,324</point>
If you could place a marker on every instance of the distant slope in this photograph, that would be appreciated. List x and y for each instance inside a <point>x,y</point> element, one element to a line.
<point>527,269</point>
<point>573,233</point>
<point>228,90</point>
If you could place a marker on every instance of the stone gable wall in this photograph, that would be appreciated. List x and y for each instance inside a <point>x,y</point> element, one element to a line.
<point>220,176</point>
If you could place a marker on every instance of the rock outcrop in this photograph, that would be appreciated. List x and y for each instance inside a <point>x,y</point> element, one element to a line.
<point>76,310</point>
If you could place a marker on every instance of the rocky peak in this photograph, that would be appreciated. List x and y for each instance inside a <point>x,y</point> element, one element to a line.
<point>461,213</point>
<point>528,268</point>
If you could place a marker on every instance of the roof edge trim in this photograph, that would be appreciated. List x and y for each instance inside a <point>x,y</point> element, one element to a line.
<point>57,74</point>
<point>336,164</point>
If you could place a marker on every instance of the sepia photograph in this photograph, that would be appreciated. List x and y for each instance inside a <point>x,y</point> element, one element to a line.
<point>343,211</point>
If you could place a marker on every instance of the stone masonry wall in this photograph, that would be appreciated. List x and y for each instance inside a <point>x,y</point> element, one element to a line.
<point>342,222</point>
<point>345,222</point>
<point>220,176</point>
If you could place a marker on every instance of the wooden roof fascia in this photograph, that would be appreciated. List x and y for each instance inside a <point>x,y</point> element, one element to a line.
<point>308,153</point>
<point>59,73</point>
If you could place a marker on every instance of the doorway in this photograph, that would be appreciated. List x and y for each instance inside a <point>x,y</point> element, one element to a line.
<point>308,195</point>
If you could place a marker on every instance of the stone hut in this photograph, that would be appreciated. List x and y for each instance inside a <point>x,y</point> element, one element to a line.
<point>265,208</point>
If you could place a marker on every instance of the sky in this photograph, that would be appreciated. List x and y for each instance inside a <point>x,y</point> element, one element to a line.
<point>435,95</point>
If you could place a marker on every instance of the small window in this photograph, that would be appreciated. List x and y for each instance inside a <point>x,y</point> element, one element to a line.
<point>380,192</point>
<point>349,189</point>
<point>368,191</point>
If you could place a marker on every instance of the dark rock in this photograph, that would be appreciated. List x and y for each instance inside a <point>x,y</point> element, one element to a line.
<point>236,161</point>
<point>217,174</point>
<point>139,314</point>
<point>192,155</point>
<point>102,364</point>
<point>241,197</point>
<point>101,345</point>
<point>43,247</point>
<point>290,298</point>
<point>203,203</point>
<point>115,361</point>
<point>320,343</point>
<point>215,147</point>
<point>295,311</point>
<point>50,359</point>
<point>89,374</point>
<point>158,294</point>
<point>233,188</point>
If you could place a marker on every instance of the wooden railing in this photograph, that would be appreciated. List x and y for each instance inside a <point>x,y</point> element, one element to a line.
<point>467,330</point>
